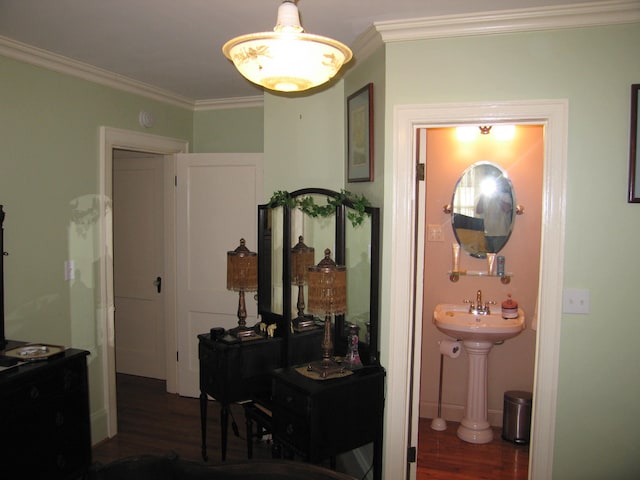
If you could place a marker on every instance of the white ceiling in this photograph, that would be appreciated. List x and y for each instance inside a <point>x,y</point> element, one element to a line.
<point>175,45</point>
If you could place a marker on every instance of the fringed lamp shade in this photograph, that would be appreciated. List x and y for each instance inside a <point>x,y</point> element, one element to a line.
<point>328,296</point>
<point>302,257</point>
<point>328,287</point>
<point>242,269</point>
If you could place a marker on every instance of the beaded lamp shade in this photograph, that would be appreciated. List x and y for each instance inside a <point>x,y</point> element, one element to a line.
<point>328,296</point>
<point>302,257</point>
<point>242,269</point>
<point>328,287</point>
<point>242,276</point>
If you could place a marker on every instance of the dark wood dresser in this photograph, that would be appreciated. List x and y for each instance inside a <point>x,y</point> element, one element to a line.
<point>44,417</point>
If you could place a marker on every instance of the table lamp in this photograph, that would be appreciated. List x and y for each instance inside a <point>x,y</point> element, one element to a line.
<point>328,296</point>
<point>302,257</point>
<point>242,276</point>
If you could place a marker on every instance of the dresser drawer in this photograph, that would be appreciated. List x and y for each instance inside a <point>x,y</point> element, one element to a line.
<point>293,430</point>
<point>290,399</point>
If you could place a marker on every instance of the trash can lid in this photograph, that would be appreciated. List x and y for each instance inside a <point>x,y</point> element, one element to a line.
<point>518,396</point>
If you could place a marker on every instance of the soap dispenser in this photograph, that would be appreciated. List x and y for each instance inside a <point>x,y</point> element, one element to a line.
<point>509,308</point>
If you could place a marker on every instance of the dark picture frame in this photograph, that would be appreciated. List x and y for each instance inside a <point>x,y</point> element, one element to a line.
<point>634,151</point>
<point>360,135</point>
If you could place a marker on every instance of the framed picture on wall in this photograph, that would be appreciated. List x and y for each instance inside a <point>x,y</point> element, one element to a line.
<point>634,151</point>
<point>360,135</point>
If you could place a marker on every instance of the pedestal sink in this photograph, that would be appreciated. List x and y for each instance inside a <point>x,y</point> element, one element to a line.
<point>478,332</point>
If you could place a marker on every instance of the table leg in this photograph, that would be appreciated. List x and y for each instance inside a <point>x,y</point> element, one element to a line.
<point>203,424</point>
<point>224,423</point>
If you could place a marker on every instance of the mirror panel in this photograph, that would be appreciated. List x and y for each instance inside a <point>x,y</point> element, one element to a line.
<point>357,247</point>
<point>483,209</point>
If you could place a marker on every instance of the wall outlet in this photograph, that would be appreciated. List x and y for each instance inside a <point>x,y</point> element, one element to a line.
<point>575,300</point>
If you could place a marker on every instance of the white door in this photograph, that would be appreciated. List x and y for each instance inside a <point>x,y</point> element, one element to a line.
<point>217,199</point>
<point>138,264</point>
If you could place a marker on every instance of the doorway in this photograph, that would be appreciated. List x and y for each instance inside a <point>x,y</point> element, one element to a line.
<point>448,152</point>
<point>116,139</point>
<point>404,281</point>
<point>138,263</point>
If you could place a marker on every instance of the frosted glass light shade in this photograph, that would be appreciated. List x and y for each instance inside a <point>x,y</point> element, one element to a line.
<point>287,59</point>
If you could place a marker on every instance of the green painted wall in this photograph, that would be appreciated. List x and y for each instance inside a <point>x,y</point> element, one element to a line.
<point>371,70</point>
<point>304,140</point>
<point>229,130</point>
<point>597,411</point>
<point>49,177</point>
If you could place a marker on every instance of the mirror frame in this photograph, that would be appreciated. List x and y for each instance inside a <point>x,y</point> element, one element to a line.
<point>369,353</point>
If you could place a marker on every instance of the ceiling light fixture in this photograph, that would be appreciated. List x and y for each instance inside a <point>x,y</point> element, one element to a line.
<point>287,59</point>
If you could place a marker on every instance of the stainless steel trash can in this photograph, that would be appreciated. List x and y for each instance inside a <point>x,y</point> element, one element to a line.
<point>516,416</point>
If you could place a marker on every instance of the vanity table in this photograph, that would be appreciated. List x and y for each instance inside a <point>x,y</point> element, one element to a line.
<point>314,419</point>
<point>236,371</point>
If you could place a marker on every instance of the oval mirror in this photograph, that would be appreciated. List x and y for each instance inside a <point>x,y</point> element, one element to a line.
<point>483,209</point>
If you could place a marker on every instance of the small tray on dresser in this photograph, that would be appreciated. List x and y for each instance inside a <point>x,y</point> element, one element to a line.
<point>34,351</point>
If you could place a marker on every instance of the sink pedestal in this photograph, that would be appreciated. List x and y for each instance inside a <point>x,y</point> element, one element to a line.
<point>474,427</point>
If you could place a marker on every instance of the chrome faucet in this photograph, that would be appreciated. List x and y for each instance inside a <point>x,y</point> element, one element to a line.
<point>479,308</point>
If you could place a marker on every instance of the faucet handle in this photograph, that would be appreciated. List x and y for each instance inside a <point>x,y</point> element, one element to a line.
<point>486,306</point>
<point>471,304</point>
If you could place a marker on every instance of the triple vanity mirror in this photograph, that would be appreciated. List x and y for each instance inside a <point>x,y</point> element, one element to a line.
<point>351,232</point>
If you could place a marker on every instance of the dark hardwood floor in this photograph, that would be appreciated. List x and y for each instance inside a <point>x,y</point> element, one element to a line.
<point>442,455</point>
<point>151,421</point>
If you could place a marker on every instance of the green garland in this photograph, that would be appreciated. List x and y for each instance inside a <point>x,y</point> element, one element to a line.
<point>308,206</point>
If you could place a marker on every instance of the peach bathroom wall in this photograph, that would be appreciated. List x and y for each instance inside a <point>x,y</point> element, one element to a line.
<point>511,365</point>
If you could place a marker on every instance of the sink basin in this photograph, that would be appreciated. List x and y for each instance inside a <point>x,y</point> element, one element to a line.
<point>456,321</point>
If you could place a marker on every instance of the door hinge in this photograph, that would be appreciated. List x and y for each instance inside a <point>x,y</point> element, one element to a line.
<point>411,455</point>
<point>175,181</point>
<point>420,172</point>
<point>177,356</point>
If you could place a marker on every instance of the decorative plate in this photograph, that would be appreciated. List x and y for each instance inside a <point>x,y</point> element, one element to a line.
<point>34,351</point>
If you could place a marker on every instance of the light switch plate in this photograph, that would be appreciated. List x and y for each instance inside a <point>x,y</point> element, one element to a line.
<point>575,300</point>
<point>434,233</point>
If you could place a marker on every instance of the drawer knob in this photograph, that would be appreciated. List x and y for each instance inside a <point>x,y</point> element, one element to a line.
<point>34,393</point>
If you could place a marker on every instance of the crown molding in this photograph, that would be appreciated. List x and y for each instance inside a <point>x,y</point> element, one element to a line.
<point>511,21</point>
<point>506,21</point>
<point>58,63</point>
<point>233,102</point>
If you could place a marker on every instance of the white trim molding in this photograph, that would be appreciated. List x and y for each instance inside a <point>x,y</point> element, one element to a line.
<point>511,21</point>
<point>400,229</point>
<point>111,138</point>
<point>490,23</point>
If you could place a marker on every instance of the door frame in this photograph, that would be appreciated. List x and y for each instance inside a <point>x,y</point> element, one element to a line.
<point>404,281</point>
<point>110,139</point>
